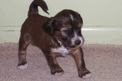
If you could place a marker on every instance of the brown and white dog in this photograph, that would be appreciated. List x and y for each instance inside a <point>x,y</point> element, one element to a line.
<point>56,36</point>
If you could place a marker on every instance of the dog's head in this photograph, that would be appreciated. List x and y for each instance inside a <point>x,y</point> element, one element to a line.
<point>66,26</point>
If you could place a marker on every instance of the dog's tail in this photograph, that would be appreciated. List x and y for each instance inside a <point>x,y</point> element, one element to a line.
<point>34,7</point>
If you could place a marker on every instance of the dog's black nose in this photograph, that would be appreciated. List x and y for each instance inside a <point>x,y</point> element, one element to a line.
<point>77,42</point>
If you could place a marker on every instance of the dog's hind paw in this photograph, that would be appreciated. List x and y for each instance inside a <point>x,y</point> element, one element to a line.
<point>59,74</point>
<point>87,76</point>
<point>23,66</point>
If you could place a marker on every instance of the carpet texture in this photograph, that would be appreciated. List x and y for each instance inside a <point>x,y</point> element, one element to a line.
<point>104,62</point>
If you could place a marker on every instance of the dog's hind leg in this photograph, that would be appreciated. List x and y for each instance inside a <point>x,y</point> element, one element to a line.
<point>23,43</point>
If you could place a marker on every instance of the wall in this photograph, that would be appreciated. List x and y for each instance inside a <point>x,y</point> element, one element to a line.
<point>102,18</point>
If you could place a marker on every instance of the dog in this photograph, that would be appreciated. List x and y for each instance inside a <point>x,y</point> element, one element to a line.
<point>56,36</point>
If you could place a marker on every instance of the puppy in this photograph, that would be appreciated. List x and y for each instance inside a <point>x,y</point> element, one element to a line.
<point>56,36</point>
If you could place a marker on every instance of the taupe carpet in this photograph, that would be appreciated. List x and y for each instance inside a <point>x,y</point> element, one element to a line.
<point>104,61</point>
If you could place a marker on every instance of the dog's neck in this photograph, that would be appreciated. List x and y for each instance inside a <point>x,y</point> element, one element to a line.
<point>61,49</point>
<point>57,41</point>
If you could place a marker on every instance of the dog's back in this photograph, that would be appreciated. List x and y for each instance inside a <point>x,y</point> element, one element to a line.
<point>33,24</point>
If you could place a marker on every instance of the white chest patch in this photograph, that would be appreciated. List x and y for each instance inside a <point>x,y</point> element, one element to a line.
<point>61,50</point>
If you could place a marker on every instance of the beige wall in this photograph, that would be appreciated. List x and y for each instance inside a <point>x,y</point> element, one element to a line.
<point>102,18</point>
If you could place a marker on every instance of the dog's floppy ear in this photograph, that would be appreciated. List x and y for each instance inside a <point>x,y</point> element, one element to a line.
<point>49,26</point>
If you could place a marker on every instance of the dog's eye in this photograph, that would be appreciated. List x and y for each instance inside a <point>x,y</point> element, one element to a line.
<point>66,31</point>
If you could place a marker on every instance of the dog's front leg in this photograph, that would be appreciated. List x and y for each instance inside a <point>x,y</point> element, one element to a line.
<point>82,70</point>
<point>53,64</point>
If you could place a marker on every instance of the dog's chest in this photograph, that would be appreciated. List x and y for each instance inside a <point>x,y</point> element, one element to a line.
<point>61,50</point>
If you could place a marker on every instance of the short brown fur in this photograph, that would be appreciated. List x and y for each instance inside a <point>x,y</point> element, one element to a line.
<point>33,31</point>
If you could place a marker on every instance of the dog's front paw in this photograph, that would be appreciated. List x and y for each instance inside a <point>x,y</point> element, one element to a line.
<point>85,74</point>
<point>57,71</point>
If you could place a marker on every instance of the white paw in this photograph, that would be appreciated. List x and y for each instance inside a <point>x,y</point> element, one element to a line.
<point>59,74</point>
<point>23,66</point>
<point>87,76</point>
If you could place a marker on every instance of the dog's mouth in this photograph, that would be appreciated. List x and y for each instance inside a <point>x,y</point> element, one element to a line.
<point>77,43</point>
<point>74,46</point>
<point>73,43</point>
<point>71,48</point>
